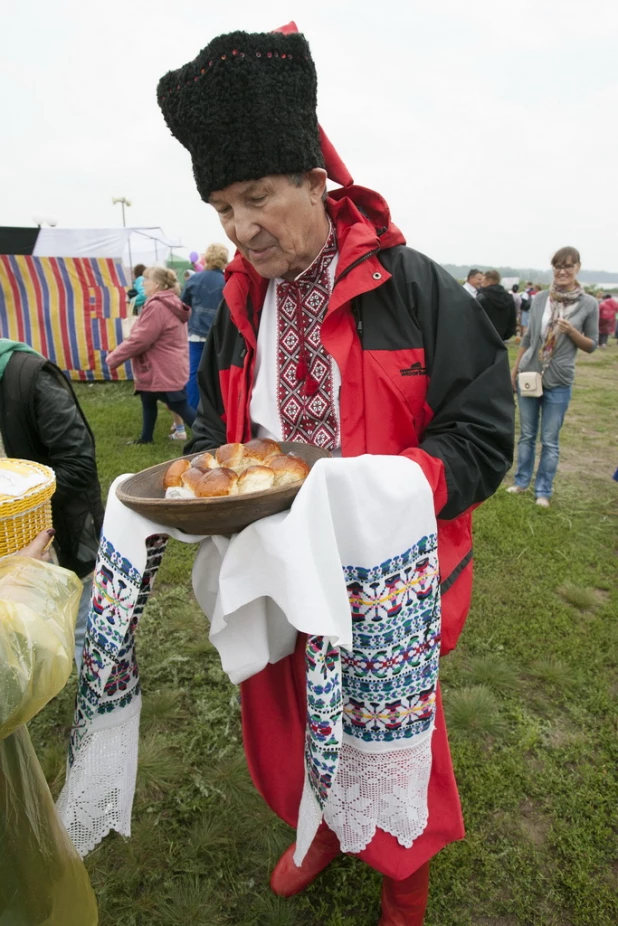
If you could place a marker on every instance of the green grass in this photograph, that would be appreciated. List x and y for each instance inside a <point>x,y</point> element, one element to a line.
<point>530,696</point>
<point>583,599</point>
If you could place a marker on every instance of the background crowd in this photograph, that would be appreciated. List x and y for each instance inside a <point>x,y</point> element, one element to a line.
<point>165,346</point>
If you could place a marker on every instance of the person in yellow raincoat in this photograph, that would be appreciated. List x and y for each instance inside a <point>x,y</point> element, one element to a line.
<point>43,882</point>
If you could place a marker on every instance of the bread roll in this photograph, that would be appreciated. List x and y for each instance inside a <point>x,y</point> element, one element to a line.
<point>261,450</point>
<point>217,483</point>
<point>205,462</point>
<point>230,455</point>
<point>288,469</point>
<point>179,492</point>
<point>255,479</point>
<point>174,473</point>
<point>191,478</point>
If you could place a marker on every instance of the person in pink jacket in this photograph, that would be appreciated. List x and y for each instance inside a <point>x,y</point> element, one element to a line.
<point>608,308</point>
<point>159,351</point>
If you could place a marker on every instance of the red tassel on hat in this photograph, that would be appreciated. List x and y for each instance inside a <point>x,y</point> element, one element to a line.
<point>335,168</point>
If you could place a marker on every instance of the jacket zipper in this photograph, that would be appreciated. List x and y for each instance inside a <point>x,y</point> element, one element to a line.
<point>454,574</point>
<point>358,321</point>
<point>353,266</point>
<point>355,310</point>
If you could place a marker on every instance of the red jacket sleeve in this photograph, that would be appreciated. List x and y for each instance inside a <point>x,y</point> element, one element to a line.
<point>433,470</point>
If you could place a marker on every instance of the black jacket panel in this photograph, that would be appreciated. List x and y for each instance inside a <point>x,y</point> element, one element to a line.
<point>41,420</point>
<point>225,347</point>
<point>470,391</point>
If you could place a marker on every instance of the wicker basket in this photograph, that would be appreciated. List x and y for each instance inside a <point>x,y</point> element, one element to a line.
<point>22,517</point>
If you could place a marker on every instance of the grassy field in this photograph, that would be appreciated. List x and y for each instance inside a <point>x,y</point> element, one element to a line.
<point>530,694</point>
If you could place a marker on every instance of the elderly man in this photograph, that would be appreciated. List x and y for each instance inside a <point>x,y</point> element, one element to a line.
<point>333,332</point>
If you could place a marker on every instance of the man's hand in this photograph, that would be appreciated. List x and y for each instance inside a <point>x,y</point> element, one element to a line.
<point>39,547</point>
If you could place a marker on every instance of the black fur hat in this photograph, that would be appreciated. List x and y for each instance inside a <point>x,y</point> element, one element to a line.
<point>245,108</point>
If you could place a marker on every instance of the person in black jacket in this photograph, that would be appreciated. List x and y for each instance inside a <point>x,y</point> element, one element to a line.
<point>41,420</point>
<point>498,304</point>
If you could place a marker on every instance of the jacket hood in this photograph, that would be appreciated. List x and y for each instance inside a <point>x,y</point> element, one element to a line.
<point>497,296</point>
<point>353,204</point>
<point>172,302</point>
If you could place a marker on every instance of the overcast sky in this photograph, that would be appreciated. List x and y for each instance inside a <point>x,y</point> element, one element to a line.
<point>490,128</point>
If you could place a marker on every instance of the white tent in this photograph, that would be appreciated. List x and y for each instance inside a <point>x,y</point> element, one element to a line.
<point>133,246</point>
<point>148,246</point>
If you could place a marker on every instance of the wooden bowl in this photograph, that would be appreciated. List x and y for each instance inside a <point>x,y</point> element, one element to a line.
<point>145,494</point>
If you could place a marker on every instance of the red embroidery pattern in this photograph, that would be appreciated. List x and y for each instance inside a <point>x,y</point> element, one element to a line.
<point>305,377</point>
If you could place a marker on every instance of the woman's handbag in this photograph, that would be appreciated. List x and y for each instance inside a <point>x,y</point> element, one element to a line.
<point>530,384</point>
<point>127,325</point>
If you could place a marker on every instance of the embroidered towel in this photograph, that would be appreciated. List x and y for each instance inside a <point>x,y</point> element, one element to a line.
<point>353,565</point>
<point>102,762</point>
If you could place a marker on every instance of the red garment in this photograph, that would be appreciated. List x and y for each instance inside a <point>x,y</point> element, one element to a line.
<point>404,902</point>
<point>288,878</point>
<point>157,346</point>
<point>273,714</point>
<point>607,316</point>
<point>383,410</point>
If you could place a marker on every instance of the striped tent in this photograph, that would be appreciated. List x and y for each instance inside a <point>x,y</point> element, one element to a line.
<point>63,292</point>
<point>69,309</point>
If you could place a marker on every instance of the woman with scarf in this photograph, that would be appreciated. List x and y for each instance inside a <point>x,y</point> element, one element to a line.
<point>563,319</point>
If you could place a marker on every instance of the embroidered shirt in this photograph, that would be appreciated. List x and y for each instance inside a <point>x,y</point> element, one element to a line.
<point>279,407</point>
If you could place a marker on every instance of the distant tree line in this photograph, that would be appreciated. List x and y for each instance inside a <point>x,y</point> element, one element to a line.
<point>460,272</point>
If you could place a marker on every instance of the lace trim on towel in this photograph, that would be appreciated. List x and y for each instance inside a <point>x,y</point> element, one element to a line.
<point>385,790</point>
<point>98,794</point>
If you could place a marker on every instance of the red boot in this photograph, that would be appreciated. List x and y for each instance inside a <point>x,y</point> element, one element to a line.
<point>404,902</point>
<point>288,879</point>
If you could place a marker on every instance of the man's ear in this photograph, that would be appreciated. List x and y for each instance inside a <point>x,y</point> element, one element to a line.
<point>317,183</point>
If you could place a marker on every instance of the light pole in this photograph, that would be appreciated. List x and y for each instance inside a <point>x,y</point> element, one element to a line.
<point>124,202</point>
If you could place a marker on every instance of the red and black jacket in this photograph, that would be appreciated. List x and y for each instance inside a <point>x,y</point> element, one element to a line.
<point>423,374</point>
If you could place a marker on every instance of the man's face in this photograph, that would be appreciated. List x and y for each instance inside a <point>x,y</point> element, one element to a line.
<point>277,226</point>
<point>477,280</point>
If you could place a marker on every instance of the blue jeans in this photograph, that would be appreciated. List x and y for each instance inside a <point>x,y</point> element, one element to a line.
<point>551,408</point>
<point>196,349</point>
